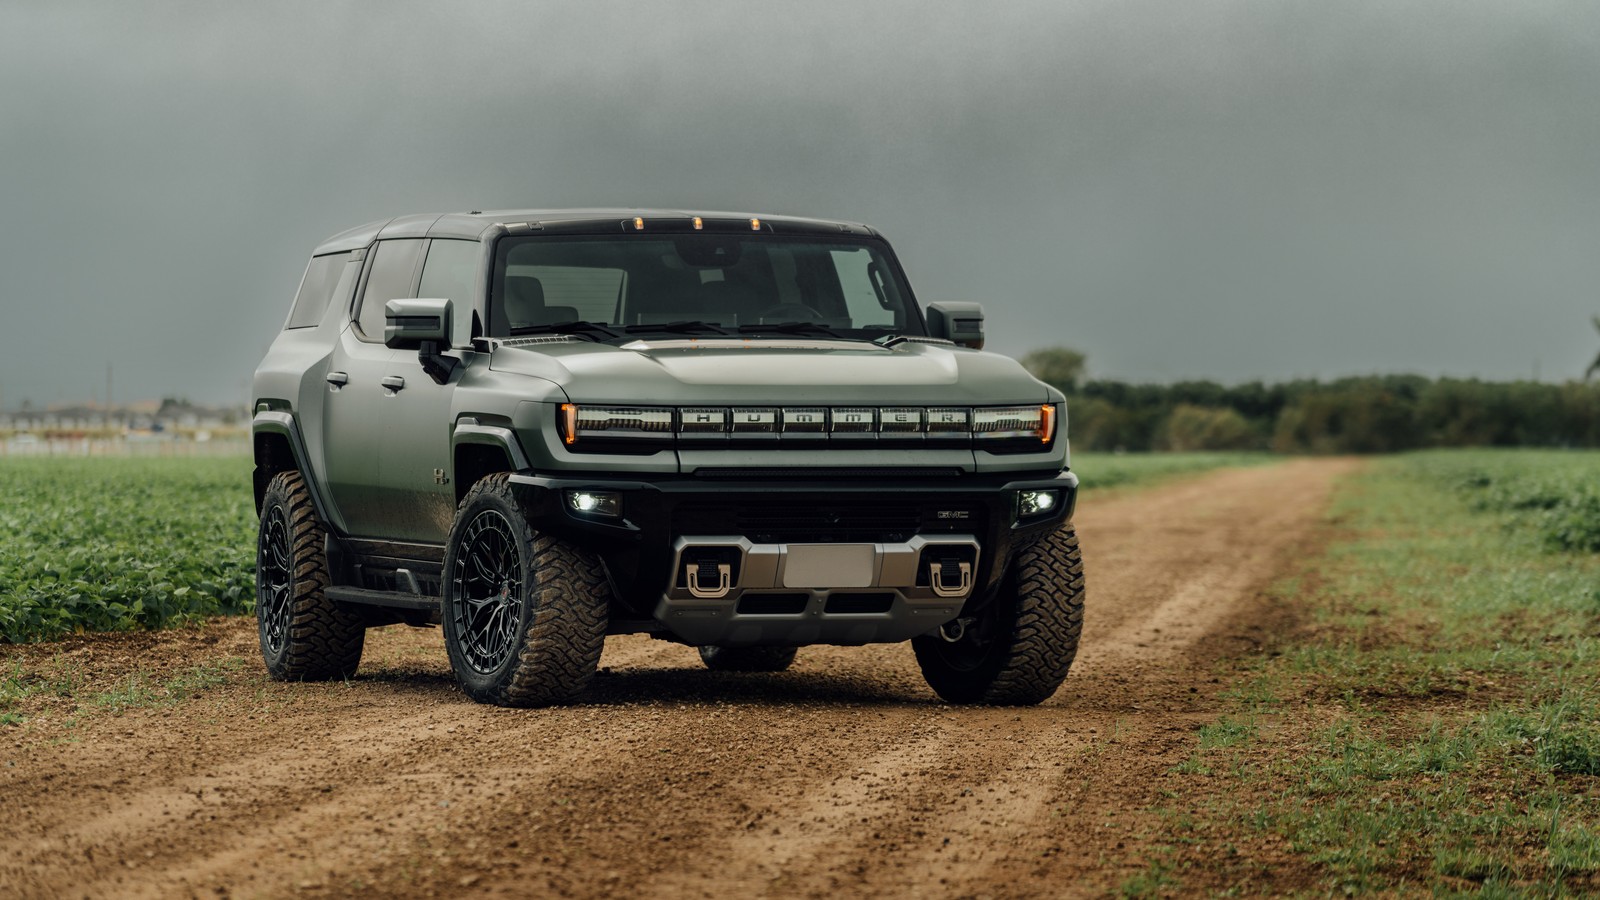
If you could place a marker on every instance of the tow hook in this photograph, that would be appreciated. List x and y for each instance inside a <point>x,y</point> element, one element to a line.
<point>950,578</point>
<point>709,580</point>
<point>956,629</point>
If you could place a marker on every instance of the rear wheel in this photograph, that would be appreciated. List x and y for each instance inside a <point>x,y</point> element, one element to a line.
<point>1016,651</point>
<point>524,613</point>
<point>747,659</point>
<point>304,635</point>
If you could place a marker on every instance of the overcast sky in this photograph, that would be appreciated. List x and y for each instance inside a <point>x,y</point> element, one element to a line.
<point>1220,189</point>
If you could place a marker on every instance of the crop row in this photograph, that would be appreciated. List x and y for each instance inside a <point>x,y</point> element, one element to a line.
<point>114,544</point>
<point>1557,493</point>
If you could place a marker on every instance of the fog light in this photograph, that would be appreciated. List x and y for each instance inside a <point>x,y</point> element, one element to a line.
<point>1035,503</point>
<point>595,503</point>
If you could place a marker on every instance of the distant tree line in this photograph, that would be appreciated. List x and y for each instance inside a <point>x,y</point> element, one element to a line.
<point>1374,414</point>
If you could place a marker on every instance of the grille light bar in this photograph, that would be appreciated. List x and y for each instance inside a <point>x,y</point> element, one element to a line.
<point>755,421</point>
<point>1006,426</point>
<point>948,421</point>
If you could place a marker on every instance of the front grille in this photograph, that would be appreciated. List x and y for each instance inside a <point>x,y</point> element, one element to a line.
<point>864,520</point>
<point>816,472</point>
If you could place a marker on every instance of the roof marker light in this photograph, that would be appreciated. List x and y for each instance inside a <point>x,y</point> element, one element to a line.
<point>698,224</point>
<point>755,224</point>
<point>638,223</point>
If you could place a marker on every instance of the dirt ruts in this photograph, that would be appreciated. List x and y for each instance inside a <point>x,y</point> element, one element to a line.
<point>843,775</point>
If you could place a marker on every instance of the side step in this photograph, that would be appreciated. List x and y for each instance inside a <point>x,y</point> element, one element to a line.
<point>395,599</point>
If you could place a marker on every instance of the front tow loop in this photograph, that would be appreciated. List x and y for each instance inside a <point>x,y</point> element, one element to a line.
<point>955,629</point>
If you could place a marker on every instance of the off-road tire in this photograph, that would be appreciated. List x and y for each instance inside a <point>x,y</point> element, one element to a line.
<point>747,659</point>
<point>560,607</point>
<point>304,635</point>
<point>1019,651</point>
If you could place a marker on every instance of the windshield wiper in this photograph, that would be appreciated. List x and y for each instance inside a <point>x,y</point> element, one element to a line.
<point>685,327</point>
<point>790,328</point>
<point>591,330</point>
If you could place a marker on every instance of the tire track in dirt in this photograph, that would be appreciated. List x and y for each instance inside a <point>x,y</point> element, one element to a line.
<point>841,775</point>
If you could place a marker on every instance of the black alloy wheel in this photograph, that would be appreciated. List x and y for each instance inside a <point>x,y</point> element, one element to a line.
<point>274,580</point>
<point>486,603</point>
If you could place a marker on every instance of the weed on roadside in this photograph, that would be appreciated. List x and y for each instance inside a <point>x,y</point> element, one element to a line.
<point>1441,714</point>
<point>138,690</point>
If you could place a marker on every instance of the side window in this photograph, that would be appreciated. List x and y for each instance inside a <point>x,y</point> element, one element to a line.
<point>451,271</point>
<point>394,264</point>
<point>316,289</point>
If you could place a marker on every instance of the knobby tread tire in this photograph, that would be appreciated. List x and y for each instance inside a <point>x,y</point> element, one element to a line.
<point>747,659</point>
<point>1040,620</point>
<point>566,611</point>
<point>325,640</point>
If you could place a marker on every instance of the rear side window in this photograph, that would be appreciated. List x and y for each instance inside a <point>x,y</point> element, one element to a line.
<point>451,271</point>
<point>316,289</point>
<point>394,265</point>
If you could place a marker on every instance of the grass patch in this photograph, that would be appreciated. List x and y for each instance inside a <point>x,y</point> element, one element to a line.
<point>23,693</point>
<point>139,690</point>
<point>1440,719</point>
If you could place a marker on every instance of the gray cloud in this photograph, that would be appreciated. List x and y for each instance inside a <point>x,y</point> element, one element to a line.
<point>1218,189</point>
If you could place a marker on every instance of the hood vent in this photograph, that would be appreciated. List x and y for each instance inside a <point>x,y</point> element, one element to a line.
<point>538,339</point>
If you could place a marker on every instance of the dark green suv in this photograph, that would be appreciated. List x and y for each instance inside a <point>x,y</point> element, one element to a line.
<point>537,428</point>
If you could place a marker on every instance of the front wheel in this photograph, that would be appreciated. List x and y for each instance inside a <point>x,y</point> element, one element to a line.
<point>524,613</point>
<point>1016,651</point>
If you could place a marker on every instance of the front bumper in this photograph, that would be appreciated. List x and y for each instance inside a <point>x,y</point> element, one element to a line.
<point>780,590</point>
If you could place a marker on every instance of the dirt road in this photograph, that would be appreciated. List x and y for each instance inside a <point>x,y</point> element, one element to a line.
<point>843,775</point>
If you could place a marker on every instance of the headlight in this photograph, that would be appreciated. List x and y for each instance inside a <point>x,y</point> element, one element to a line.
<point>999,423</point>
<point>614,423</point>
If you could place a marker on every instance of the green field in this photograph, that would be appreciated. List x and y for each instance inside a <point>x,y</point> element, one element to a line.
<point>116,544</point>
<point>1434,724</point>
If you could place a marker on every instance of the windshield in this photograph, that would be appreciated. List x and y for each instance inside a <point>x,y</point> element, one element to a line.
<point>698,285</point>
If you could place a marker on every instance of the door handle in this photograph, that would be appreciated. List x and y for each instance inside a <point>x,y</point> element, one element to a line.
<point>393,382</point>
<point>338,379</point>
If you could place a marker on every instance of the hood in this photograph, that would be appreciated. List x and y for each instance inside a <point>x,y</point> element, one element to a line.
<point>738,371</point>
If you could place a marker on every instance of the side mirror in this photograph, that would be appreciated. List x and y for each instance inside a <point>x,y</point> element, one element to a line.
<point>425,325</point>
<point>958,322</point>
<point>407,323</point>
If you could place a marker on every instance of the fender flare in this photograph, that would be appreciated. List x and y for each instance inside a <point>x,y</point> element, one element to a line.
<point>469,431</point>
<point>282,423</point>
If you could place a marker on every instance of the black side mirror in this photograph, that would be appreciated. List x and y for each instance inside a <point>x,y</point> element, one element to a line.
<point>407,323</point>
<point>961,323</point>
<point>425,325</point>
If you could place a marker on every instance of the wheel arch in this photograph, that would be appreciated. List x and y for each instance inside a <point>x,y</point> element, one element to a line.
<point>279,447</point>
<point>478,450</point>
